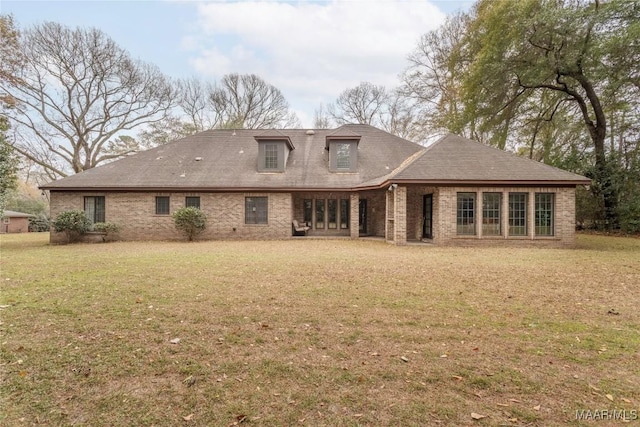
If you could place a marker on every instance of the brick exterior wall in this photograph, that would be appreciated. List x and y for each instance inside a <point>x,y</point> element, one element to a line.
<point>399,196</point>
<point>445,232</point>
<point>415,195</point>
<point>135,214</point>
<point>395,215</point>
<point>14,225</point>
<point>376,212</point>
<point>354,229</point>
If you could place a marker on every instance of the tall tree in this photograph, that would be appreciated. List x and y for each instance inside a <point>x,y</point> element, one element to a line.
<point>10,62</point>
<point>433,80</point>
<point>521,68</point>
<point>76,91</point>
<point>363,104</point>
<point>8,165</point>
<point>377,106</point>
<point>321,118</point>
<point>247,101</point>
<point>560,47</point>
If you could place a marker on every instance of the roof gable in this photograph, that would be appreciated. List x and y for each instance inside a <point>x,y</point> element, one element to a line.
<point>274,135</point>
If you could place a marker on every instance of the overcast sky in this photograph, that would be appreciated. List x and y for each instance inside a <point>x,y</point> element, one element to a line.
<point>311,51</point>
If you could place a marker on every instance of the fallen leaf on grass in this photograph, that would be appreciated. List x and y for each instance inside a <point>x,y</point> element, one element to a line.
<point>626,400</point>
<point>188,417</point>
<point>476,416</point>
<point>404,359</point>
<point>514,400</point>
<point>591,386</point>
<point>175,341</point>
<point>610,397</point>
<point>457,377</point>
<point>537,407</point>
<point>189,381</point>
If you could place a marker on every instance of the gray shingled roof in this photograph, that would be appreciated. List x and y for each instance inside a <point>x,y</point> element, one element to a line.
<point>14,214</point>
<point>454,159</point>
<point>227,160</point>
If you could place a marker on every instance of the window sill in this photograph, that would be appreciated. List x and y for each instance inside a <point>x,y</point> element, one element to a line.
<point>476,237</point>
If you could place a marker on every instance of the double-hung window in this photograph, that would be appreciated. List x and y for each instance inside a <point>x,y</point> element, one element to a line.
<point>491,218</point>
<point>544,214</point>
<point>271,156</point>
<point>518,214</point>
<point>94,208</point>
<point>256,210</point>
<point>162,205</point>
<point>343,155</point>
<point>192,202</point>
<point>465,214</point>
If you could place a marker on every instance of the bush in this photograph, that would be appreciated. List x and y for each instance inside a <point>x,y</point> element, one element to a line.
<point>106,227</point>
<point>39,223</point>
<point>73,223</point>
<point>191,221</point>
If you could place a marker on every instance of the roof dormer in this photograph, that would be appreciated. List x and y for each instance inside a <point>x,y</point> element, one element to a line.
<point>273,151</point>
<point>343,150</point>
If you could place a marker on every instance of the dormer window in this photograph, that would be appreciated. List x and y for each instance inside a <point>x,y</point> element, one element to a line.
<point>273,151</point>
<point>271,156</point>
<point>343,151</point>
<point>343,155</point>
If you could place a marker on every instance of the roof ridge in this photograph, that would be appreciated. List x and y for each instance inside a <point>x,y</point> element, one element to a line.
<point>406,163</point>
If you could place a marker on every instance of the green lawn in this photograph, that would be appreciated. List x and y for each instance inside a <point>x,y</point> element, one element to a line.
<point>316,332</point>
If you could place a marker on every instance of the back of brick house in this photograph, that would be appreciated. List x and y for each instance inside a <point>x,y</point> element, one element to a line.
<point>353,181</point>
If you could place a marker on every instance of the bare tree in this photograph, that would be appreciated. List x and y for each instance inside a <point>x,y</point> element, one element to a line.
<point>164,131</point>
<point>247,101</point>
<point>377,106</point>
<point>401,117</point>
<point>363,104</point>
<point>321,118</point>
<point>193,102</point>
<point>76,92</point>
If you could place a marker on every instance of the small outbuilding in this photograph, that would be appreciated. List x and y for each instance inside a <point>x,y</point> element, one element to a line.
<point>15,222</point>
